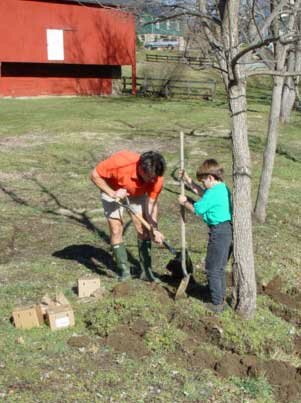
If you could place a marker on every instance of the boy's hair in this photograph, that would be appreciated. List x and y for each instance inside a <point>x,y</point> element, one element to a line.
<point>210,167</point>
<point>152,163</point>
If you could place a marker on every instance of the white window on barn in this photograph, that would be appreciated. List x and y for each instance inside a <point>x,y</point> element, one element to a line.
<point>158,25</point>
<point>55,44</point>
<point>167,24</point>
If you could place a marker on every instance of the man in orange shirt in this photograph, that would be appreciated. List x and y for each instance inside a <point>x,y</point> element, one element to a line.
<point>140,177</point>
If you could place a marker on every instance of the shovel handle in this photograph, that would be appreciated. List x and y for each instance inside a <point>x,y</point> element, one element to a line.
<point>170,248</point>
<point>145,224</point>
<point>182,209</point>
<point>149,228</point>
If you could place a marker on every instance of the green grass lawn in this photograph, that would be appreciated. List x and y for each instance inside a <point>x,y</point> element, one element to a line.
<point>52,225</point>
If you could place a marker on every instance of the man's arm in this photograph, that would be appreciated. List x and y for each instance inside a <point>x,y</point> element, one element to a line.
<point>151,212</point>
<point>104,187</point>
<point>151,215</point>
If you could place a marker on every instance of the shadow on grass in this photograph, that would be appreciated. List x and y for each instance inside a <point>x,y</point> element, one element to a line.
<point>88,255</point>
<point>194,289</point>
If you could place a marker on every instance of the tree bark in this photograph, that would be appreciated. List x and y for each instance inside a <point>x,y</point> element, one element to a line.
<point>244,291</point>
<point>289,90</point>
<point>291,83</point>
<point>269,152</point>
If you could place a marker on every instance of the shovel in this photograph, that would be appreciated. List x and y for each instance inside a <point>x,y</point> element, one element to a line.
<point>186,277</point>
<point>146,224</point>
<point>175,264</point>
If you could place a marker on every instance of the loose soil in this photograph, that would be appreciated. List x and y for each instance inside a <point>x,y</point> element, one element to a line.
<point>125,339</point>
<point>130,339</point>
<point>290,304</point>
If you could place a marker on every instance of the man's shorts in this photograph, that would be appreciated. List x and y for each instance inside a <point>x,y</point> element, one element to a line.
<point>113,210</point>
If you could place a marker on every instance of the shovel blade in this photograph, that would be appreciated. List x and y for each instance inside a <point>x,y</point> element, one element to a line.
<point>181,291</point>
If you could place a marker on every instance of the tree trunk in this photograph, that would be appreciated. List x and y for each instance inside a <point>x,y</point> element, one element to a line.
<point>269,152</point>
<point>289,91</point>
<point>291,83</point>
<point>244,291</point>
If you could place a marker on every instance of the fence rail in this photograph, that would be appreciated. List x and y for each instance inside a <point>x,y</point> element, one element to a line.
<point>168,87</point>
<point>191,60</point>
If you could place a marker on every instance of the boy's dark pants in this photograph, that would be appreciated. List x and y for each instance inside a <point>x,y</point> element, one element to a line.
<point>219,244</point>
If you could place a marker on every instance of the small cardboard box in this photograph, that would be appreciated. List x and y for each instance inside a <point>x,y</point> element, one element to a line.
<point>27,317</point>
<point>60,299</point>
<point>87,286</point>
<point>60,317</point>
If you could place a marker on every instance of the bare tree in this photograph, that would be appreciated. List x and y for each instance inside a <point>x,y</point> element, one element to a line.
<point>225,26</point>
<point>283,27</point>
<point>220,24</point>
<point>290,87</point>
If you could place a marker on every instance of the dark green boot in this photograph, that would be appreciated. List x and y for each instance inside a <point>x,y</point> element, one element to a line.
<point>121,259</point>
<point>144,248</point>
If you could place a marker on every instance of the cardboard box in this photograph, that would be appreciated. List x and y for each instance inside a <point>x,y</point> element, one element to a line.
<point>60,299</point>
<point>46,303</point>
<point>27,317</point>
<point>87,286</point>
<point>60,317</point>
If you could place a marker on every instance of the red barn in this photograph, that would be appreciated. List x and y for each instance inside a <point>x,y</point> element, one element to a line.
<point>63,47</point>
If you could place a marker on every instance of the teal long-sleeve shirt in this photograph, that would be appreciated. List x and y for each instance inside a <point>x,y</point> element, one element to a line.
<point>215,205</point>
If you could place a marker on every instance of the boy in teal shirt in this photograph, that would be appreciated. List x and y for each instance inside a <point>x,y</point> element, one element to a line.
<point>215,208</point>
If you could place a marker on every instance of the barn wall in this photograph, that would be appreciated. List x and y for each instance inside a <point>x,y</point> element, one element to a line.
<point>91,36</point>
<point>27,86</point>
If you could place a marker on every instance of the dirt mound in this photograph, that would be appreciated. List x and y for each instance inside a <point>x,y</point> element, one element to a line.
<point>206,329</point>
<point>79,341</point>
<point>285,379</point>
<point>273,290</point>
<point>231,365</point>
<point>131,338</point>
<point>122,290</point>
<point>125,339</point>
<point>139,327</point>
<point>190,357</point>
<point>162,294</point>
<point>287,314</point>
<point>290,303</point>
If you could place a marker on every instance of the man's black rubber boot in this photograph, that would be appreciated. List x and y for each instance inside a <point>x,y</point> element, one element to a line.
<point>144,248</point>
<point>121,259</point>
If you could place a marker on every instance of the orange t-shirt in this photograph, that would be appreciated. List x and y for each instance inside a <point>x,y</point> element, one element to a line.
<point>120,171</point>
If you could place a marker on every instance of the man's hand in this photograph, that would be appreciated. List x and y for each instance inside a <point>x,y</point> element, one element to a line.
<point>120,193</point>
<point>157,236</point>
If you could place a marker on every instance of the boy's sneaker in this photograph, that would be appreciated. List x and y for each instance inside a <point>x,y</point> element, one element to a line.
<point>215,308</point>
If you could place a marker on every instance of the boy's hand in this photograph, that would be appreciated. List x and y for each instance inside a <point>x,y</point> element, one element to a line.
<point>182,200</point>
<point>183,175</point>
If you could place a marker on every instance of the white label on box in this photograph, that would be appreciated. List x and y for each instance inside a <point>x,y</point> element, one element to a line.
<point>62,322</point>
